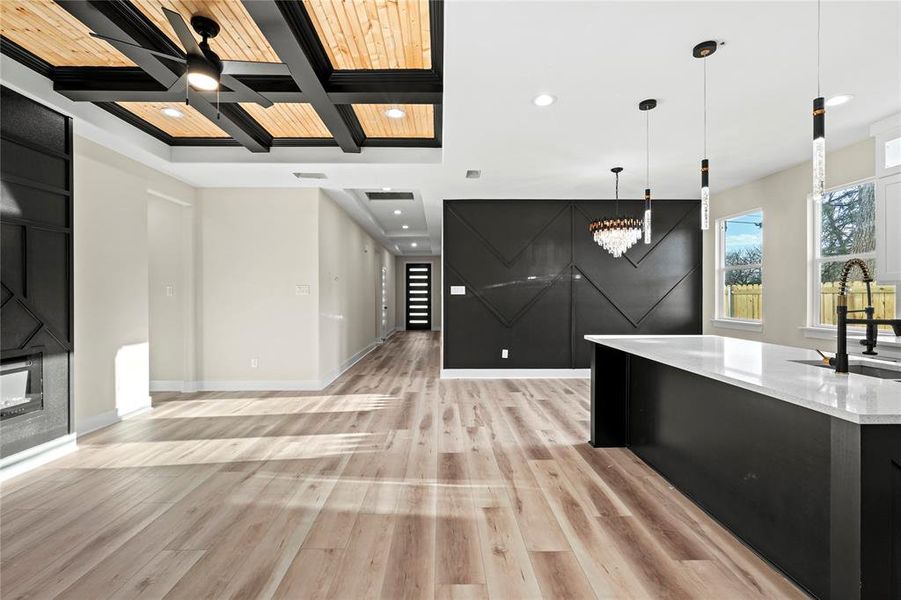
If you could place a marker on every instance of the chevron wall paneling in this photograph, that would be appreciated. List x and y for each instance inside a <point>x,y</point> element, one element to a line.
<point>36,273</point>
<point>536,282</point>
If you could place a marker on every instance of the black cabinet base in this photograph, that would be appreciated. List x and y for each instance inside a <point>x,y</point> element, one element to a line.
<point>818,497</point>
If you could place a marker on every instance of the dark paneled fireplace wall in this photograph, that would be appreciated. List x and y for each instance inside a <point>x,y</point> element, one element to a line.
<point>35,273</point>
<point>536,282</point>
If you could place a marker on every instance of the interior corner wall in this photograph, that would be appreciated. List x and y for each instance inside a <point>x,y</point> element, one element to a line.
<point>400,289</point>
<point>258,326</point>
<point>783,198</point>
<point>350,263</point>
<point>112,330</point>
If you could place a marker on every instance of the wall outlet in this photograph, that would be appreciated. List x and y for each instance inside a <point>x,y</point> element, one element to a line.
<point>254,363</point>
<point>458,290</point>
<point>301,290</point>
<point>505,353</point>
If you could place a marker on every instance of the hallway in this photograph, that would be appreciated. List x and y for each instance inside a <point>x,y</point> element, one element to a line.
<point>391,483</point>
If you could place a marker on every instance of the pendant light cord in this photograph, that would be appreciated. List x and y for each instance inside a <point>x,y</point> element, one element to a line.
<point>647,146</point>
<point>818,48</point>
<point>705,107</point>
<point>617,193</point>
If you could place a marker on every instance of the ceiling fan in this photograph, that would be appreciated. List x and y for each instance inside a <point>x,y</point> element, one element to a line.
<point>204,70</point>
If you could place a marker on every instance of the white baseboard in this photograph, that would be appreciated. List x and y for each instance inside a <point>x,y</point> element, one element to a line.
<point>349,363</point>
<point>111,417</point>
<point>515,373</point>
<point>32,458</point>
<point>257,385</point>
<point>171,385</point>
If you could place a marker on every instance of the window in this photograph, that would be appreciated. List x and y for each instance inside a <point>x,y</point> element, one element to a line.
<point>740,267</point>
<point>844,227</point>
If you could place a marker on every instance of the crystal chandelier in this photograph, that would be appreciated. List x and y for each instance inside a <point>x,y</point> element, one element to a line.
<point>616,234</point>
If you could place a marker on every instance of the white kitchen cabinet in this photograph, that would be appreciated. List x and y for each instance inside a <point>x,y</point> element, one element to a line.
<point>888,229</point>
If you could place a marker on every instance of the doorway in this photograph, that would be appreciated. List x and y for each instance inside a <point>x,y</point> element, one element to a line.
<point>419,295</point>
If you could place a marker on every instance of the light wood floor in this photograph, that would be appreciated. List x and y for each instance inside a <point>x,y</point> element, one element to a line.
<point>390,484</point>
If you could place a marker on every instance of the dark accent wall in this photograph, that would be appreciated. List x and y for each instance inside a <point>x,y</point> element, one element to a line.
<point>36,260</point>
<point>536,282</point>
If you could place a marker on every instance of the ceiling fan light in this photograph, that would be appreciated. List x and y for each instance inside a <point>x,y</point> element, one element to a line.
<point>201,74</point>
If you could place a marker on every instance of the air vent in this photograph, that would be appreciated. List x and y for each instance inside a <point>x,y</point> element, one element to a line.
<point>389,195</point>
<point>473,174</point>
<point>311,175</point>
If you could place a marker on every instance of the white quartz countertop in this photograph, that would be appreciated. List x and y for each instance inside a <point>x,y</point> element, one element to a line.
<point>768,369</point>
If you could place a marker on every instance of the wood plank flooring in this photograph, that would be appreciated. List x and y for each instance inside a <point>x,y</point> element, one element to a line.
<point>389,484</point>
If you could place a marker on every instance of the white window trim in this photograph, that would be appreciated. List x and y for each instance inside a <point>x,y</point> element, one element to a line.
<point>814,327</point>
<point>721,320</point>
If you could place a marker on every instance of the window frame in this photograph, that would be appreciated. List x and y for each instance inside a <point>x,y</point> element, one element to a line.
<point>722,268</point>
<point>816,259</point>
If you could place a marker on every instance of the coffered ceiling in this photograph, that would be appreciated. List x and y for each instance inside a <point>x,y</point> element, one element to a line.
<point>335,71</point>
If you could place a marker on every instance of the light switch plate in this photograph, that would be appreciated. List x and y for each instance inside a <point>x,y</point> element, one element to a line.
<point>301,290</point>
<point>458,290</point>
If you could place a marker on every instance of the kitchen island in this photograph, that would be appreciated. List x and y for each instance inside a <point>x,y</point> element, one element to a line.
<point>801,463</point>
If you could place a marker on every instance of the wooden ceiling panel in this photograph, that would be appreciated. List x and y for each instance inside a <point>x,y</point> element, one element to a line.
<point>288,120</point>
<point>417,123</point>
<point>374,34</point>
<point>190,124</point>
<point>239,38</point>
<point>48,31</point>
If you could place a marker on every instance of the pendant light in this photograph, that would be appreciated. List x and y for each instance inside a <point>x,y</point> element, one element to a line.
<point>819,130</point>
<point>618,233</point>
<point>647,106</point>
<point>702,51</point>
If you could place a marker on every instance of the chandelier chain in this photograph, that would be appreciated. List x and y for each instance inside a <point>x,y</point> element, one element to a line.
<point>818,48</point>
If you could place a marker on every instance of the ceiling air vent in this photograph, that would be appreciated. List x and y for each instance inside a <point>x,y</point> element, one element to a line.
<point>311,175</point>
<point>389,195</point>
<point>473,174</point>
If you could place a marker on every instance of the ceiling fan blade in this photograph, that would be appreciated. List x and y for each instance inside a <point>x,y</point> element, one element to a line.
<point>183,32</point>
<point>119,43</point>
<point>246,67</point>
<point>237,86</point>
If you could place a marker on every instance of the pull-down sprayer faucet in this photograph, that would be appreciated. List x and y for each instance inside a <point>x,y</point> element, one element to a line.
<point>840,362</point>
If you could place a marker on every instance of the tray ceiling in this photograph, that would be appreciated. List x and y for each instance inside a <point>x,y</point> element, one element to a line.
<point>346,63</point>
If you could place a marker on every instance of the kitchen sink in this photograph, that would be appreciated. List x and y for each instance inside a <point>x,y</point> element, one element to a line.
<point>883,371</point>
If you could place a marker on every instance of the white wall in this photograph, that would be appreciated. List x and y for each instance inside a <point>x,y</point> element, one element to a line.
<point>170,232</point>
<point>401,295</point>
<point>350,264</point>
<point>783,198</point>
<point>256,246</point>
<point>111,358</point>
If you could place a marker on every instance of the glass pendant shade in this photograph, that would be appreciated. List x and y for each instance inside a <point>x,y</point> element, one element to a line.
<point>705,195</point>
<point>647,216</point>
<point>819,148</point>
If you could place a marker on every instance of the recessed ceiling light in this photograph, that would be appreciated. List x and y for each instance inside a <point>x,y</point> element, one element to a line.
<point>386,189</point>
<point>543,100</point>
<point>395,113</point>
<point>398,211</point>
<point>839,99</point>
<point>172,112</point>
<point>404,226</point>
<point>413,245</point>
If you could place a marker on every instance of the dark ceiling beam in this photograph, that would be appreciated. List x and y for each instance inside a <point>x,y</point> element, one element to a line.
<point>288,29</point>
<point>127,84</point>
<point>119,19</point>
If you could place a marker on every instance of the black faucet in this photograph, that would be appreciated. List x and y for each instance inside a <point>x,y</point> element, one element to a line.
<point>840,362</point>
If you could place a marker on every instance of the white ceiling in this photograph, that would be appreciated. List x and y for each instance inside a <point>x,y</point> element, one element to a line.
<point>599,59</point>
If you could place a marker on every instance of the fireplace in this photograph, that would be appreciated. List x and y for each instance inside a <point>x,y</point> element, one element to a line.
<point>21,384</point>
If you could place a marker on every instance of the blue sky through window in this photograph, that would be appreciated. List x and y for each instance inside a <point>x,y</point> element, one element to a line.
<point>744,232</point>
